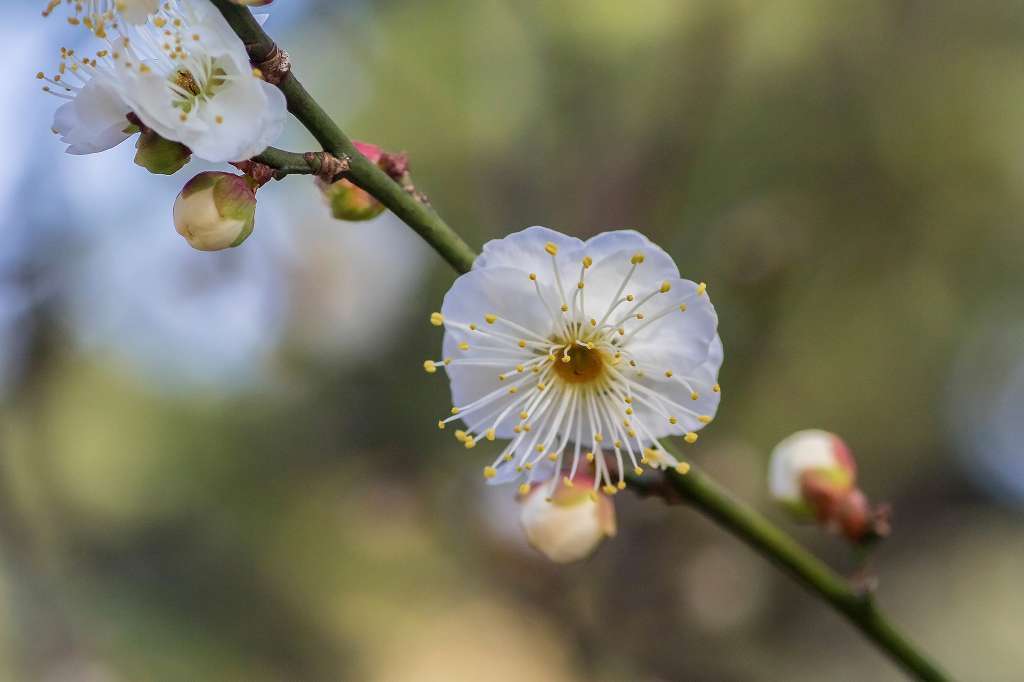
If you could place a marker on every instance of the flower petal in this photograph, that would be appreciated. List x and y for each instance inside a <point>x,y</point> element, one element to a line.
<point>524,250</point>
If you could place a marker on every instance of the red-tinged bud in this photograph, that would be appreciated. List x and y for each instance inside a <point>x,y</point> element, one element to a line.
<point>570,524</point>
<point>216,210</point>
<point>809,471</point>
<point>814,476</point>
<point>351,203</point>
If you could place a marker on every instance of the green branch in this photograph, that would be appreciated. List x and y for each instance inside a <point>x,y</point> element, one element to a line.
<point>695,488</point>
<point>289,163</point>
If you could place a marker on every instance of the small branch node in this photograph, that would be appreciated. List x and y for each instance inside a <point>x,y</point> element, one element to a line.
<point>327,167</point>
<point>275,67</point>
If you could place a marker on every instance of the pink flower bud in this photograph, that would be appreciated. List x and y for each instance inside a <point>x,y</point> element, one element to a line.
<point>810,472</point>
<point>349,202</point>
<point>215,210</point>
<point>814,476</point>
<point>570,524</point>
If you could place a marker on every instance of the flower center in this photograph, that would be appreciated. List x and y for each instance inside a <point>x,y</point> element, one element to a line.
<point>580,364</point>
<point>187,82</point>
<point>190,86</point>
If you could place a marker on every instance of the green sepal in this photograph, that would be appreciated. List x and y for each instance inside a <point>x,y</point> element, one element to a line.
<point>160,156</point>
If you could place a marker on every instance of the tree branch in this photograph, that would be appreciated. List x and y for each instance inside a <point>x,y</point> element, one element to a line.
<point>694,488</point>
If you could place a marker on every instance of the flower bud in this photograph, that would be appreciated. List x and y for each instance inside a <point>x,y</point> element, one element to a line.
<point>252,3</point>
<point>570,524</point>
<point>215,210</point>
<point>810,472</point>
<point>160,156</point>
<point>349,202</point>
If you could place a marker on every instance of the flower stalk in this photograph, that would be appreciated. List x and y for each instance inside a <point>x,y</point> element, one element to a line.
<point>694,488</point>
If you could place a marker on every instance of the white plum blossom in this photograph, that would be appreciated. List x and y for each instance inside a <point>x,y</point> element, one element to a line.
<point>99,15</point>
<point>582,354</point>
<point>184,74</point>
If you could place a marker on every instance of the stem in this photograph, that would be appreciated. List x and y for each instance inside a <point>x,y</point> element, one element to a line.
<point>696,488</point>
<point>288,163</point>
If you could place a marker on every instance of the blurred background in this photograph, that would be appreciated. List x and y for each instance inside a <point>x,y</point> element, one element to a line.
<point>226,466</point>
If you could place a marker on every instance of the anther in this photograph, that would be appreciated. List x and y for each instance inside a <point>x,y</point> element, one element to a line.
<point>490,318</point>
<point>463,345</point>
<point>701,288</point>
<point>637,258</point>
<point>682,468</point>
<point>590,456</point>
<point>429,366</point>
<point>694,395</point>
<point>587,261</point>
<point>704,419</point>
<point>436,319</point>
<point>490,472</point>
<point>665,287</point>
<point>690,437</point>
<point>524,489</point>
<point>551,248</point>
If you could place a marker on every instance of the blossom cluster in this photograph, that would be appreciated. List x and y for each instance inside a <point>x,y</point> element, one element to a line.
<point>176,74</point>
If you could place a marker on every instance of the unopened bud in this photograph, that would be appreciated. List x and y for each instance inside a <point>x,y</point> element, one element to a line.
<point>160,156</point>
<point>252,3</point>
<point>215,210</point>
<point>570,524</point>
<point>349,202</point>
<point>813,474</point>
<point>810,472</point>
